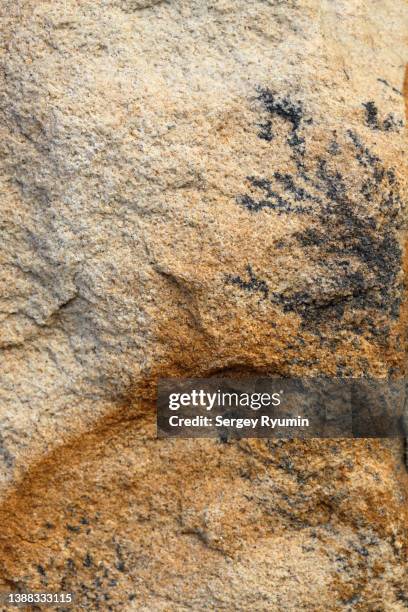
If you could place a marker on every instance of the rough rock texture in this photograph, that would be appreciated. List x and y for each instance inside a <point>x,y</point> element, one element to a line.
<point>192,187</point>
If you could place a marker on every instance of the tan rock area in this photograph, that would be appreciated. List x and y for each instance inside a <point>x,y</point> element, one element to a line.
<point>191,188</point>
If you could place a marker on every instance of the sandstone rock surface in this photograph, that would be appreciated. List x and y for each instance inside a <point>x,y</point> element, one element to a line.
<point>194,188</point>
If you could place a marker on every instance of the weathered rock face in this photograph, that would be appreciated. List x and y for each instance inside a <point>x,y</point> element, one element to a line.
<point>191,188</point>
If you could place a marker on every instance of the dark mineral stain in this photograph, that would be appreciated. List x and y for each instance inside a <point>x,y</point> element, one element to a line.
<point>5,454</point>
<point>253,284</point>
<point>120,565</point>
<point>299,193</point>
<point>266,131</point>
<point>87,560</point>
<point>363,154</point>
<point>334,147</point>
<point>71,564</point>
<point>272,199</point>
<point>394,89</point>
<point>283,107</point>
<point>375,123</point>
<point>401,596</point>
<point>223,437</point>
<point>358,262</point>
<point>371,114</point>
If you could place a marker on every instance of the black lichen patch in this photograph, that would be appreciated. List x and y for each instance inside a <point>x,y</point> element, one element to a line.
<point>355,208</point>
<point>283,107</point>
<point>361,260</point>
<point>101,580</point>
<point>266,131</point>
<point>300,194</point>
<point>371,115</point>
<point>373,121</point>
<point>271,198</point>
<point>280,195</point>
<point>317,305</point>
<point>313,305</point>
<point>253,284</point>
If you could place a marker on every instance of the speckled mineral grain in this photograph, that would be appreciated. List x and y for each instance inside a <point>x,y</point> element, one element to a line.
<point>198,187</point>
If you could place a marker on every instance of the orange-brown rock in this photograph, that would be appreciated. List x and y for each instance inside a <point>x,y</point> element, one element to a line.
<point>191,188</point>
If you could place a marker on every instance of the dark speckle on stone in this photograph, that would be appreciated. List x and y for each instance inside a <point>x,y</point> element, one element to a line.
<point>272,199</point>
<point>334,148</point>
<point>253,284</point>
<point>371,114</point>
<point>223,437</point>
<point>120,565</point>
<point>401,596</point>
<point>88,560</point>
<point>70,564</point>
<point>394,89</point>
<point>282,107</point>
<point>5,454</point>
<point>373,121</point>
